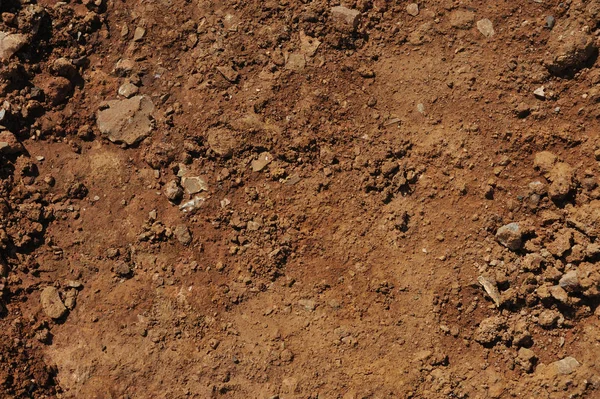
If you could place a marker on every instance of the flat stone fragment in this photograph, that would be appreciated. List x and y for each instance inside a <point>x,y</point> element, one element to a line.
<point>52,304</point>
<point>126,121</point>
<point>193,185</point>
<point>138,34</point>
<point>490,288</point>
<point>228,73</point>
<point>486,27</point>
<point>540,93</point>
<point>10,43</point>
<point>295,62</point>
<point>263,160</point>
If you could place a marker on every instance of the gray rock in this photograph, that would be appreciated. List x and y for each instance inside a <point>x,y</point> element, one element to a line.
<point>173,191</point>
<point>559,294</point>
<point>126,121</point>
<point>193,204</point>
<point>346,16</point>
<point>128,90</point>
<point>569,281</point>
<point>570,47</point>
<point>183,235</point>
<point>52,304</point>
<point>10,43</point>
<point>550,22</point>
<point>566,366</point>
<point>540,93</point>
<point>510,236</point>
<point>123,269</point>
<point>486,27</point>
<point>412,9</point>
<point>307,304</point>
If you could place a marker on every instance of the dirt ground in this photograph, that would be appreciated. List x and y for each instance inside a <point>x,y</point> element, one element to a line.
<point>299,199</point>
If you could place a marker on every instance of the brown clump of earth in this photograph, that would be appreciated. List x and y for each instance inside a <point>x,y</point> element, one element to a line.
<point>299,199</point>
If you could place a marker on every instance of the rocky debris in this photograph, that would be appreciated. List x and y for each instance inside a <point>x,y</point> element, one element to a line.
<point>522,110</point>
<point>549,22</point>
<point>261,162</point>
<point>56,88</point>
<point>308,45</point>
<point>462,19</point>
<point>138,34</point>
<point>563,241</point>
<point>70,299</point>
<point>193,204</point>
<point>64,67</point>
<point>559,294</point>
<point>510,236</point>
<point>569,48</point>
<point>228,73</point>
<point>486,27</point>
<point>526,359</point>
<point>52,304</point>
<point>421,35</point>
<point>183,235</point>
<point>550,318</point>
<point>562,176</point>
<point>540,93</point>
<point>173,191</point>
<point>565,366</point>
<point>586,218</point>
<point>521,334</point>
<point>544,161</point>
<point>222,142</point>
<point>124,67</point>
<point>295,62</point>
<point>490,330</point>
<point>569,281</point>
<point>346,17</point>
<point>126,121</point>
<point>412,9</point>
<point>123,269</point>
<point>9,143</point>
<point>490,287</point>
<point>128,90</point>
<point>194,185</point>
<point>308,304</point>
<point>10,43</point>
